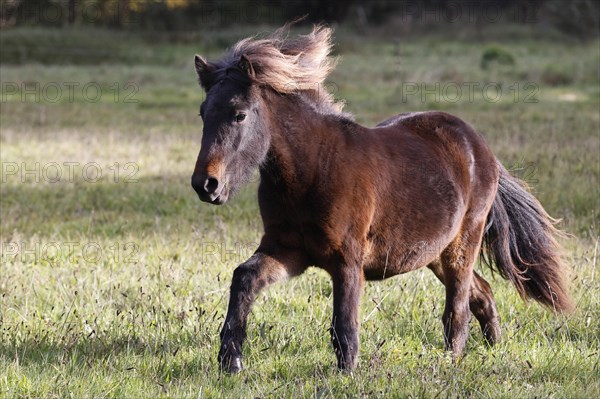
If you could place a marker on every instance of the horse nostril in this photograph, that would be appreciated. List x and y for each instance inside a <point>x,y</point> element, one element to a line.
<point>211,184</point>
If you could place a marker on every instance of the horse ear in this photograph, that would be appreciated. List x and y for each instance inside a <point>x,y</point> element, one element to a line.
<point>203,69</point>
<point>246,66</point>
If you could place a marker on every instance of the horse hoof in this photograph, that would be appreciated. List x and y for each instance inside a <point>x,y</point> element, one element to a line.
<point>233,365</point>
<point>346,370</point>
<point>347,367</point>
<point>491,333</point>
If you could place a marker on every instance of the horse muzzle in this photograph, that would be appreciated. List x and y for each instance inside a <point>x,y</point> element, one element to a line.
<point>210,189</point>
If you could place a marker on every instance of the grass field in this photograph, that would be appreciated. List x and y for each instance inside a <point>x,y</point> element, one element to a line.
<point>114,276</point>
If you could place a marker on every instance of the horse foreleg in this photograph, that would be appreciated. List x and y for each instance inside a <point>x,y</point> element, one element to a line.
<point>347,289</point>
<point>249,278</point>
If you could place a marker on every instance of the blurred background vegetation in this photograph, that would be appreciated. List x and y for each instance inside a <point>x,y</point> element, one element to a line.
<point>577,17</point>
<point>215,24</point>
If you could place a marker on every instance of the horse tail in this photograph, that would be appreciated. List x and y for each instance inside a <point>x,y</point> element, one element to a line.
<point>520,242</point>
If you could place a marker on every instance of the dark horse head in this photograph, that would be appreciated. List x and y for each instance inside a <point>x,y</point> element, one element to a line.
<point>234,139</point>
<point>236,135</point>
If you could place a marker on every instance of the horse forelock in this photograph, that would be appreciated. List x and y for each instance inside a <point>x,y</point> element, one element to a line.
<point>289,64</point>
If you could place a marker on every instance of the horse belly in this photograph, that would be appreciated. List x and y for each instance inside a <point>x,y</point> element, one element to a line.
<point>407,243</point>
<point>401,258</point>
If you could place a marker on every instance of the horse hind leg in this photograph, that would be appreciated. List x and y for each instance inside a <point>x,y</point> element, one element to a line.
<point>481,303</point>
<point>483,306</point>
<point>457,261</point>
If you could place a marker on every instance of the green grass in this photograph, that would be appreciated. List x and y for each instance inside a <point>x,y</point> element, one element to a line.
<point>118,287</point>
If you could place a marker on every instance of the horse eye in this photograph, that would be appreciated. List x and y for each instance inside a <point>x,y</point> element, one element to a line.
<point>240,117</point>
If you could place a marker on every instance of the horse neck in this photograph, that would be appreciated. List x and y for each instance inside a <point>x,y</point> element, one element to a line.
<point>300,135</point>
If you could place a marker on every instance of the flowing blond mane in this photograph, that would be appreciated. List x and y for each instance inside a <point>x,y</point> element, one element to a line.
<point>291,64</point>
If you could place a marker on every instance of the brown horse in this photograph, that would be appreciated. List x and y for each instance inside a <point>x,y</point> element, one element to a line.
<point>420,189</point>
